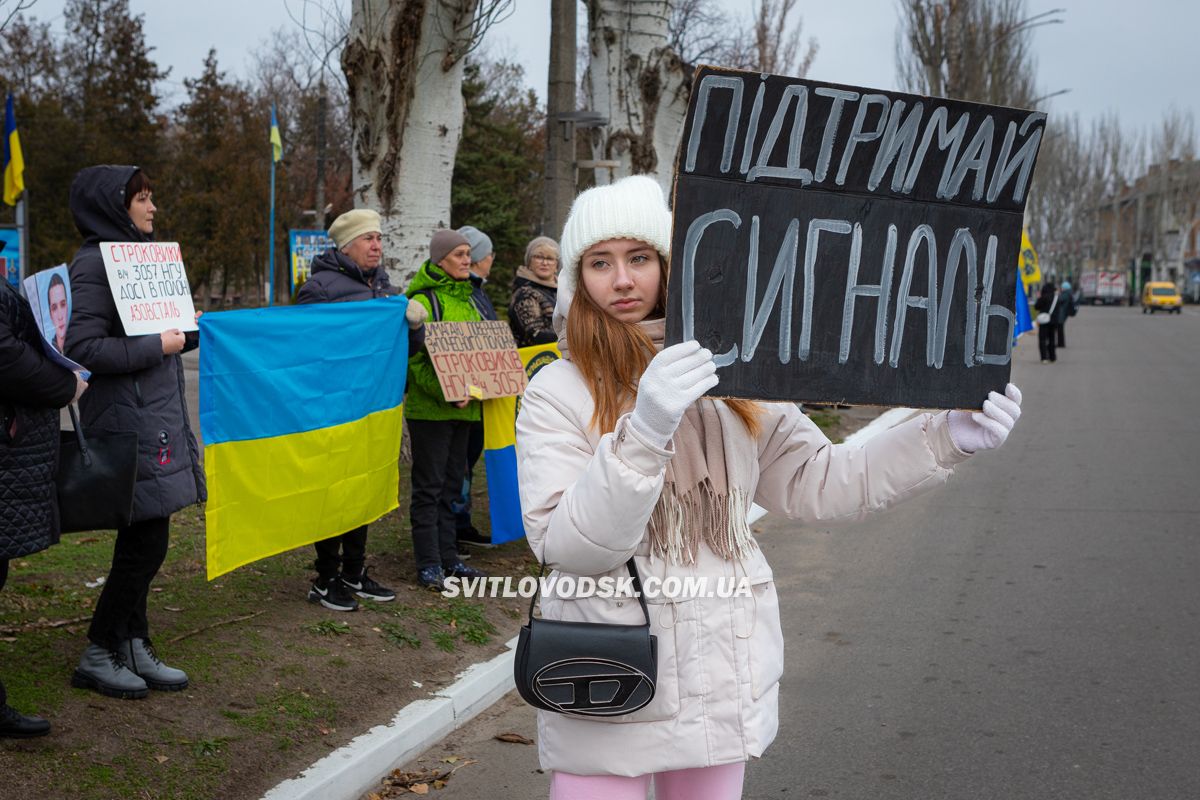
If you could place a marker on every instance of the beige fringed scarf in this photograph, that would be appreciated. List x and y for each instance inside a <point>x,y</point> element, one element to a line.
<point>704,499</point>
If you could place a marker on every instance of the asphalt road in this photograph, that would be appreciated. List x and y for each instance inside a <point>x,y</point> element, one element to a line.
<point>1029,631</point>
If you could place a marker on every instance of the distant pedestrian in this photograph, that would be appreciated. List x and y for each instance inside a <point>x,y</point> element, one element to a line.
<point>438,429</point>
<point>1066,308</point>
<point>351,270</point>
<point>1047,307</point>
<point>137,385</point>
<point>535,289</point>
<point>32,389</point>
<point>482,258</point>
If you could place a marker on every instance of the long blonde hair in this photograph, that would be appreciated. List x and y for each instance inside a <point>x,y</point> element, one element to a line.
<point>612,355</point>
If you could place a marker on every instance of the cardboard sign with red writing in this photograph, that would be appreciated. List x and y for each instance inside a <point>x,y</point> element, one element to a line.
<point>149,286</point>
<point>475,360</point>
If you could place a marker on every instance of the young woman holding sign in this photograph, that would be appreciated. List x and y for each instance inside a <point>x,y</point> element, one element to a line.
<point>137,384</point>
<point>621,456</point>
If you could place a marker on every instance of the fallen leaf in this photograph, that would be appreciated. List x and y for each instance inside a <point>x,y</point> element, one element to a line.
<point>419,788</point>
<point>326,731</point>
<point>439,784</point>
<point>374,796</point>
<point>87,540</point>
<point>156,589</point>
<point>161,759</point>
<point>172,608</point>
<point>513,738</point>
<point>450,760</point>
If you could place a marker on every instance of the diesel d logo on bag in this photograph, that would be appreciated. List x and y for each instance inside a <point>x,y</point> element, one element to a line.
<point>592,686</point>
<point>588,668</point>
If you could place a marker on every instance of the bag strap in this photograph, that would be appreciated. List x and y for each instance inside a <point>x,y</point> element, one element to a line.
<point>633,573</point>
<point>1053,303</point>
<point>435,306</point>
<point>84,453</point>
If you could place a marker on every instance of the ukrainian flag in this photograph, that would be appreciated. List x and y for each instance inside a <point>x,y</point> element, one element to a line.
<point>276,141</point>
<point>500,450</point>
<point>300,410</point>
<point>14,161</point>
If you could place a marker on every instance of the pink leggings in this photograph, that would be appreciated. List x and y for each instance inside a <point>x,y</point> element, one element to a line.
<point>702,783</point>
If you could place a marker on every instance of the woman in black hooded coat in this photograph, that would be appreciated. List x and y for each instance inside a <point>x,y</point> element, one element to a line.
<point>137,385</point>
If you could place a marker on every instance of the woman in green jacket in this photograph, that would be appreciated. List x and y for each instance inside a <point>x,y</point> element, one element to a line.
<point>439,429</point>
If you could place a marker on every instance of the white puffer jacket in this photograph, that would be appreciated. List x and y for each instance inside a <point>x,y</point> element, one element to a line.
<point>586,501</point>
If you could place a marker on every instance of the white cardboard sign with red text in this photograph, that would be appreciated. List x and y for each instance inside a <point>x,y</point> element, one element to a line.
<point>150,286</point>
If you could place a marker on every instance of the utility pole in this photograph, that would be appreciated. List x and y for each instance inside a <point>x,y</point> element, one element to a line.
<point>320,198</point>
<point>560,133</point>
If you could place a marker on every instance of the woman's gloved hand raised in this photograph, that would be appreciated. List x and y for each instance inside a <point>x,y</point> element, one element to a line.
<point>987,429</point>
<point>677,377</point>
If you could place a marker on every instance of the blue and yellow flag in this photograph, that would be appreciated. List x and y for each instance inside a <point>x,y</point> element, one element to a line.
<point>1024,321</point>
<point>500,450</point>
<point>276,141</point>
<point>300,410</point>
<point>14,162</point>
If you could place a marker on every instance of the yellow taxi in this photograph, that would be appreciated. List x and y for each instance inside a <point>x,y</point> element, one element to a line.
<point>1161,296</point>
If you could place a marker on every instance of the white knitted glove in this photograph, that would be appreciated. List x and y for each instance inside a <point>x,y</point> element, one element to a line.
<point>415,314</point>
<point>987,429</point>
<point>677,377</point>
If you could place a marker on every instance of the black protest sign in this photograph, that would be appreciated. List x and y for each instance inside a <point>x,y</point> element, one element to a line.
<point>834,243</point>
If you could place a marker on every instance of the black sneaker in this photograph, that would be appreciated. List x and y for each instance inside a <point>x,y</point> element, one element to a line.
<point>365,586</point>
<point>461,570</point>
<point>432,578</point>
<point>471,537</point>
<point>332,594</point>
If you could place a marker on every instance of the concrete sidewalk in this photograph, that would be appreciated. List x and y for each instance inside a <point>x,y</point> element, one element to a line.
<point>358,767</point>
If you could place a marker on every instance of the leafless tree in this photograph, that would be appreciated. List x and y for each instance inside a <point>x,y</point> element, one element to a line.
<point>977,50</point>
<point>403,63</point>
<point>9,9</point>
<point>771,42</point>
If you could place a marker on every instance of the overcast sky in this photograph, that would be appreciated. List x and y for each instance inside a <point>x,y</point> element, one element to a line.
<point>1135,57</point>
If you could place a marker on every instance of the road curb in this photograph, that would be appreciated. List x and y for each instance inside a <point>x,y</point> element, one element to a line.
<point>357,767</point>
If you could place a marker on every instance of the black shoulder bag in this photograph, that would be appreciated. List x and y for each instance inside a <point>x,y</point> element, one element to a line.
<point>588,668</point>
<point>96,479</point>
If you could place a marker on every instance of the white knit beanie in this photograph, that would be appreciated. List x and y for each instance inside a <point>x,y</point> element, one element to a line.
<point>353,224</point>
<point>631,208</point>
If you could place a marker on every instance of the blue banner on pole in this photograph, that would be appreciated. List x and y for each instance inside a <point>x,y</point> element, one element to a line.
<point>303,246</point>
<point>10,256</point>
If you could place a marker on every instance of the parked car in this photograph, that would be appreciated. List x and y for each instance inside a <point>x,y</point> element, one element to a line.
<point>1161,296</point>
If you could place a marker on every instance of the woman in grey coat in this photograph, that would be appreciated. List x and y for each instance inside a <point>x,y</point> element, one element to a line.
<point>136,385</point>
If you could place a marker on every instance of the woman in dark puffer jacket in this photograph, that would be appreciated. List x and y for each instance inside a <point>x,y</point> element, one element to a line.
<point>136,384</point>
<point>32,388</point>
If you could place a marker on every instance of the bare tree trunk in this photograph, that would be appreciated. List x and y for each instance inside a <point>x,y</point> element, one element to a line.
<point>560,135</point>
<point>404,67</point>
<point>639,83</point>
